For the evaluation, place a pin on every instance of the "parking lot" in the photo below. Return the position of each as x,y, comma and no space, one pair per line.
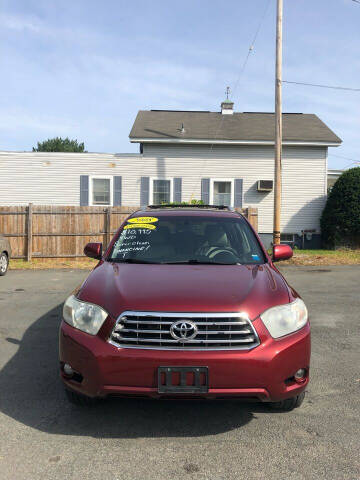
44,437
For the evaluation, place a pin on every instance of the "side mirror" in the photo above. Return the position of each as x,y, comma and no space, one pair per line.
281,252
93,250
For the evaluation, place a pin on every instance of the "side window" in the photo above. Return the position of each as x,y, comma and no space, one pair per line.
287,237
101,191
161,191
222,192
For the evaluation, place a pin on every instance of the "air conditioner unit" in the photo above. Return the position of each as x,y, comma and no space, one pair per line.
265,185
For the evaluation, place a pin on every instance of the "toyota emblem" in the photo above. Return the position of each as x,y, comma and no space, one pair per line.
183,330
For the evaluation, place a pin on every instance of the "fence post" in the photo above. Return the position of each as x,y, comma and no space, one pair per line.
108,226
29,233
253,217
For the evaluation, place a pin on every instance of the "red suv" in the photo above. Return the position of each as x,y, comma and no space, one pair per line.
186,303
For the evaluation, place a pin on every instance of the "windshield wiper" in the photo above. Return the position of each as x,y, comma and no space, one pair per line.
198,262
130,260
180,262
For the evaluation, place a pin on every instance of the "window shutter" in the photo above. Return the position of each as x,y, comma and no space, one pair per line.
177,189
205,190
144,191
117,191
238,194
84,190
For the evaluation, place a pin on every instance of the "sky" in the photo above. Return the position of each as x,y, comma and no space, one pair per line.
83,68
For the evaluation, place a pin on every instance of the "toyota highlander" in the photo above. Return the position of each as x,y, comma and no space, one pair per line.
186,302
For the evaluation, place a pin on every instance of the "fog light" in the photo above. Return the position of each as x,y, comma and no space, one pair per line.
68,370
300,375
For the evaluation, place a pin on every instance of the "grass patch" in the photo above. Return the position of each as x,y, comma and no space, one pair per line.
325,257
50,263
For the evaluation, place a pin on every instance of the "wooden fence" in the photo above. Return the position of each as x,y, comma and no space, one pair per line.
43,231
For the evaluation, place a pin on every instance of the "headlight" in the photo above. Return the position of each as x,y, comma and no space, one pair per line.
84,316
285,319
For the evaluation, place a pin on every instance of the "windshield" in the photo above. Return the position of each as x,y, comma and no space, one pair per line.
187,239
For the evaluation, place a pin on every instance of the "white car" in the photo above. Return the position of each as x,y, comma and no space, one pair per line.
5,254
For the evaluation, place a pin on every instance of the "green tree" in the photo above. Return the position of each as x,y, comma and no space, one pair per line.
59,144
340,220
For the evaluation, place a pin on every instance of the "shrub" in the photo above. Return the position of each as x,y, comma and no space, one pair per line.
192,202
340,220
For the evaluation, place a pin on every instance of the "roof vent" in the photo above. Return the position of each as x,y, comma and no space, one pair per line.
227,106
182,129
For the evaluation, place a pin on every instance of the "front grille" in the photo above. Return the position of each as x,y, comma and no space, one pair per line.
208,331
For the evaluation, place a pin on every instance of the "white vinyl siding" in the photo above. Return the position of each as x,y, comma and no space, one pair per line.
304,177
54,178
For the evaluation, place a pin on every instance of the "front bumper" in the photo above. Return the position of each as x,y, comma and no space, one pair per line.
264,373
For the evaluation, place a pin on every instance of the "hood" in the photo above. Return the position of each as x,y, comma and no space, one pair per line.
185,288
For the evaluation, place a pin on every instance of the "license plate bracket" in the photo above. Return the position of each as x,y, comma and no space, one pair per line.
188,379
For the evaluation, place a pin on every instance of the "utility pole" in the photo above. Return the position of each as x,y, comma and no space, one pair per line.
278,124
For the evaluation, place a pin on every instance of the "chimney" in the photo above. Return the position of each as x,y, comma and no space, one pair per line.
227,107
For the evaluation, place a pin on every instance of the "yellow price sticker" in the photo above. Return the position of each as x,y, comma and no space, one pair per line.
145,226
143,220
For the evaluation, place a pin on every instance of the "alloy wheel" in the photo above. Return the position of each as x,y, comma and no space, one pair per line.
3,263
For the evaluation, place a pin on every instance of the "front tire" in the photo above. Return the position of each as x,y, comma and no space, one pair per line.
4,264
288,404
80,400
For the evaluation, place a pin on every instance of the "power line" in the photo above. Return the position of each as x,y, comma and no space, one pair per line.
344,158
348,165
356,1
251,49
324,86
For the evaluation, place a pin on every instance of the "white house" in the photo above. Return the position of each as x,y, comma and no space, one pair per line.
332,176
220,157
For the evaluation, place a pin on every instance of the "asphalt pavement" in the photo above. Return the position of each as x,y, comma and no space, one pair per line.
44,437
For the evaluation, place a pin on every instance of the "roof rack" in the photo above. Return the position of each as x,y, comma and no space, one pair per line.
182,205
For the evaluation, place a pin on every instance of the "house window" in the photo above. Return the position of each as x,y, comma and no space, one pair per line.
287,237
161,191
101,191
222,192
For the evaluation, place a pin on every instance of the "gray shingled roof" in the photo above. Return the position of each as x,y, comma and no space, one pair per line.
166,124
